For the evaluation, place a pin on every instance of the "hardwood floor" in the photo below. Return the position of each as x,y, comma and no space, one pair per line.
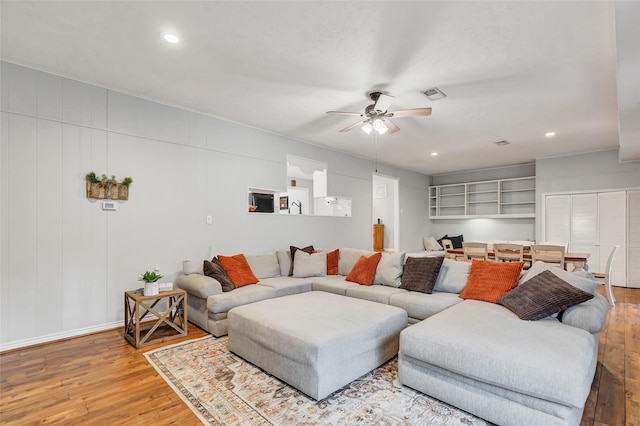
101,379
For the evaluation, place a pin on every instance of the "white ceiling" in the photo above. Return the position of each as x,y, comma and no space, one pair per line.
512,70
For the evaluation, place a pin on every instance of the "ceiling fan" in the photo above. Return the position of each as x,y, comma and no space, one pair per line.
376,116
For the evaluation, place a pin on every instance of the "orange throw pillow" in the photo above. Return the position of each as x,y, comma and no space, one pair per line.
238,270
364,271
489,280
332,262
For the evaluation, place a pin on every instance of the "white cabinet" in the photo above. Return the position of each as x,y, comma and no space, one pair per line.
505,198
590,223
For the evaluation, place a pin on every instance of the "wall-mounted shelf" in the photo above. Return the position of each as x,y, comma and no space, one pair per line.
504,198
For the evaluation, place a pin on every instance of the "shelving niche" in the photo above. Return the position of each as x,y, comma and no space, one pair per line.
503,198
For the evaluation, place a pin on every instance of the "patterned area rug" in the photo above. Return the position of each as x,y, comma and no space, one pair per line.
223,389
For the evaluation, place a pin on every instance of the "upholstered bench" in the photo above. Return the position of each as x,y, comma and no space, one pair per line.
317,342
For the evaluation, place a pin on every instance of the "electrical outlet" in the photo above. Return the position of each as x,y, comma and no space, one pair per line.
209,220
157,269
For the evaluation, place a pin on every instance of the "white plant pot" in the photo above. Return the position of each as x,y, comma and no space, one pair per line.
150,289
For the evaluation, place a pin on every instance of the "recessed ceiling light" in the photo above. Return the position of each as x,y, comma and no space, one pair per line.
434,154
550,134
171,38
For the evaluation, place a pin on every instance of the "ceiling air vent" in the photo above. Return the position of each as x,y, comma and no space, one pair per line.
434,94
502,143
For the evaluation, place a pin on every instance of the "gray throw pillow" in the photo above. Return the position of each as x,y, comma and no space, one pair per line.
215,270
453,276
420,273
576,280
389,269
542,295
310,265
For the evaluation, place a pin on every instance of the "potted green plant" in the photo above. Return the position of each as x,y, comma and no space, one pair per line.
93,185
123,192
150,280
108,183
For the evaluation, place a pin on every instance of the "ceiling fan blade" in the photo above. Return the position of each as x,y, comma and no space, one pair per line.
392,127
345,113
353,126
416,112
383,102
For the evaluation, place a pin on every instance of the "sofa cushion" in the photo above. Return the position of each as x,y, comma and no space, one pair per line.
284,260
198,285
590,315
389,269
489,280
264,265
373,293
238,269
348,258
420,305
332,284
576,280
332,262
453,276
541,296
285,286
488,343
310,265
364,270
240,296
420,273
192,267
215,270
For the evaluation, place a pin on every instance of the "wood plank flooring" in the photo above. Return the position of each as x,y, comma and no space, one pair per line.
100,379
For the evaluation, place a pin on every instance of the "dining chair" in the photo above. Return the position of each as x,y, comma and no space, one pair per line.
507,252
548,254
606,276
475,251
448,245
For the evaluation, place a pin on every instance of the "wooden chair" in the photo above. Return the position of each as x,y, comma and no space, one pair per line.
606,276
475,251
548,254
448,245
504,252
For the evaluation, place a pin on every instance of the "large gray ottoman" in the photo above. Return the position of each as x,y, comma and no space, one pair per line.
317,342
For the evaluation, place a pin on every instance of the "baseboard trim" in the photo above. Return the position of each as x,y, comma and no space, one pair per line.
59,336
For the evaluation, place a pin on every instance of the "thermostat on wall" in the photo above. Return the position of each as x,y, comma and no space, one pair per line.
108,205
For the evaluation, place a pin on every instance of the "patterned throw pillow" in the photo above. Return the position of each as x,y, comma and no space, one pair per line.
489,280
364,270
420,273
238,270
543,295
214,269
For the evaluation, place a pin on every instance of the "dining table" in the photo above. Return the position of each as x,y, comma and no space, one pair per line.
578,260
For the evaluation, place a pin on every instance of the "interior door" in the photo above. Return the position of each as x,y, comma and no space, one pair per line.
557,218
612,219
584,228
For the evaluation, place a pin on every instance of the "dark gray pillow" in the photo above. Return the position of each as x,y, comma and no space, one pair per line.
456,241
543,295
420,273
215,270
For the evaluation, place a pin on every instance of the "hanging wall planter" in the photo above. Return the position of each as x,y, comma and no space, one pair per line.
105,188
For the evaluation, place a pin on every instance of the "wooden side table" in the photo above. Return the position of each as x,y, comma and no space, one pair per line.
166,326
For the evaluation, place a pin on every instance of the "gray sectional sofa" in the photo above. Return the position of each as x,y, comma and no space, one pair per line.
475,355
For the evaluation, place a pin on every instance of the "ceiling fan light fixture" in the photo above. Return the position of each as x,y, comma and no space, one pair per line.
383,129
367,128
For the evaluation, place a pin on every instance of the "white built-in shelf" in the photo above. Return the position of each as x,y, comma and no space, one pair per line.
503,198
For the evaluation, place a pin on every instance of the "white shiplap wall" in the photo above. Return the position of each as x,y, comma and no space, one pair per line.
65,263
